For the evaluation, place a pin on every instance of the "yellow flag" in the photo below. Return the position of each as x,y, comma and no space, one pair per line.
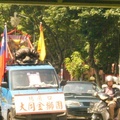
41,45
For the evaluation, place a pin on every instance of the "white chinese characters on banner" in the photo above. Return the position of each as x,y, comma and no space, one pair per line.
49,103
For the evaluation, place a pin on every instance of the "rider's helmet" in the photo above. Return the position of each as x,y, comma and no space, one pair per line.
92,79
109,78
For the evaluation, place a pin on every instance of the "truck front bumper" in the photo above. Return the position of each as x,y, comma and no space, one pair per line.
52,116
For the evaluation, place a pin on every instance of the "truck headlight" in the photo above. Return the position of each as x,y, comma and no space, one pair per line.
73,103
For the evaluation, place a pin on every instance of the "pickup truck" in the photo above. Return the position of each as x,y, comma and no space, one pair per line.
32,92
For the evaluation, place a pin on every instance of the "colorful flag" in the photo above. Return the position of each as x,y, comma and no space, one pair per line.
3,54
41,45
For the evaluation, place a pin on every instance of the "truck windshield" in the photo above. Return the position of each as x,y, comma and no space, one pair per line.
25,79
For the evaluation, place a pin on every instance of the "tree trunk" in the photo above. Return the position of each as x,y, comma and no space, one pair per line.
92,62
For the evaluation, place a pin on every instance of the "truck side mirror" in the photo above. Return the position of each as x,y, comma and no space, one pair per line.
63,83
4,84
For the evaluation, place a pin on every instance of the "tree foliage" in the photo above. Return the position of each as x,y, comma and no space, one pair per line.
93,32
76,65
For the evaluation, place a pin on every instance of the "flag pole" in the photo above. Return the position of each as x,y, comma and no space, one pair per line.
5,35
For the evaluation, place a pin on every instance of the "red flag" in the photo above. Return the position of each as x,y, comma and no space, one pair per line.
3,54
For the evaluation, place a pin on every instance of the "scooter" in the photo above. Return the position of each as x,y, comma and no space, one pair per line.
100,110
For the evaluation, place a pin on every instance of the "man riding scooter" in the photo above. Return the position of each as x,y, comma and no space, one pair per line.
111,92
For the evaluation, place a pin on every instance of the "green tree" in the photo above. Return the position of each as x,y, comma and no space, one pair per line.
91,31
61,33
95,28
76,65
